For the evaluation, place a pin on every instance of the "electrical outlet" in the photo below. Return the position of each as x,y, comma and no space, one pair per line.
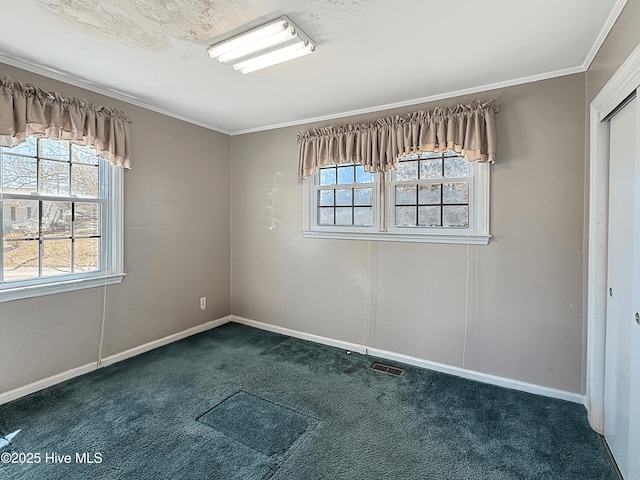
203,303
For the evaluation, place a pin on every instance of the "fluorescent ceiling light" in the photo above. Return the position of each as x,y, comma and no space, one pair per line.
253,47
269,44
273,58
252,36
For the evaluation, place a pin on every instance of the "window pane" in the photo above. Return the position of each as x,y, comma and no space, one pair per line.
407,171
20,219
345,175
19,174
429,194
429,216
56,149
28,147
86,254
326,197
20,259
343,216
455,192
406,194
86,219
328,176
81,154
456,167
54,177
325,216
430,169
48,237
362,176
362,196
363,216
56,219
405,216
56,257
344,196
84,181
455,216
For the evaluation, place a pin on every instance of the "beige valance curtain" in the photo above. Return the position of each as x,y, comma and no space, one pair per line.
27,110
379,144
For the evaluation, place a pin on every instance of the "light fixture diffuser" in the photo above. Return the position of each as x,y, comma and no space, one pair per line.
264,46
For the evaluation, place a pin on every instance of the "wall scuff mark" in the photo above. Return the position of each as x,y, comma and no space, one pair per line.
272,197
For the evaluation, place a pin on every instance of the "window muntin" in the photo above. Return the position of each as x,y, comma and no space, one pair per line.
431,190
429,197
59,192
345,197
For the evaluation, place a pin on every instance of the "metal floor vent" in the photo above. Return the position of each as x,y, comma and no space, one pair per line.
387,369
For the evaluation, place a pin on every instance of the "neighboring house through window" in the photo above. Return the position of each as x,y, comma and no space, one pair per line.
59,229
61,194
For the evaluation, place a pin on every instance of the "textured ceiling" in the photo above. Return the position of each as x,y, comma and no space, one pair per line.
370,53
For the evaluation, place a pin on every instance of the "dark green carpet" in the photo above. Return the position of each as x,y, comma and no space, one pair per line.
259,424
241,403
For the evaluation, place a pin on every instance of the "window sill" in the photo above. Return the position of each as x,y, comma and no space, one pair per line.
31,291
453,238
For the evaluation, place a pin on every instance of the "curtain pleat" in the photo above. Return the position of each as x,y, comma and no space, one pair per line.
27,110
379,144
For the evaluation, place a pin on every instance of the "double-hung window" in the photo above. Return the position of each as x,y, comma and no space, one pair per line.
419,177
428,197
61,226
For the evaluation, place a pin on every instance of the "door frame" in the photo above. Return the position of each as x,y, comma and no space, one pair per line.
618,88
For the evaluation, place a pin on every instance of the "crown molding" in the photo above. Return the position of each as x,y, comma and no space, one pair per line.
604,33
74,80
113,93
416,101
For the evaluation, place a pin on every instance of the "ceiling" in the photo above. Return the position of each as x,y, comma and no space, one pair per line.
370,53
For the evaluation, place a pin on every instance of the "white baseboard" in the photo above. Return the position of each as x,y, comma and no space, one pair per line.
398,357
45,383
118,357
302,335
418,362
479,376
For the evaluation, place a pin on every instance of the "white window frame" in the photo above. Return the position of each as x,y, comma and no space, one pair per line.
476,234
112,245
345,229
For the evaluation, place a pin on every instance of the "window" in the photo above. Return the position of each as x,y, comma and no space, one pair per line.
62,224
345,197
429,197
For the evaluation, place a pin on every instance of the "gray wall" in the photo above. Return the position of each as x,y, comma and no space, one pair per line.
524,305
623,38
176,251
524,308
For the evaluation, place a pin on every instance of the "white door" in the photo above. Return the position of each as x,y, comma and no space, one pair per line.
622,395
